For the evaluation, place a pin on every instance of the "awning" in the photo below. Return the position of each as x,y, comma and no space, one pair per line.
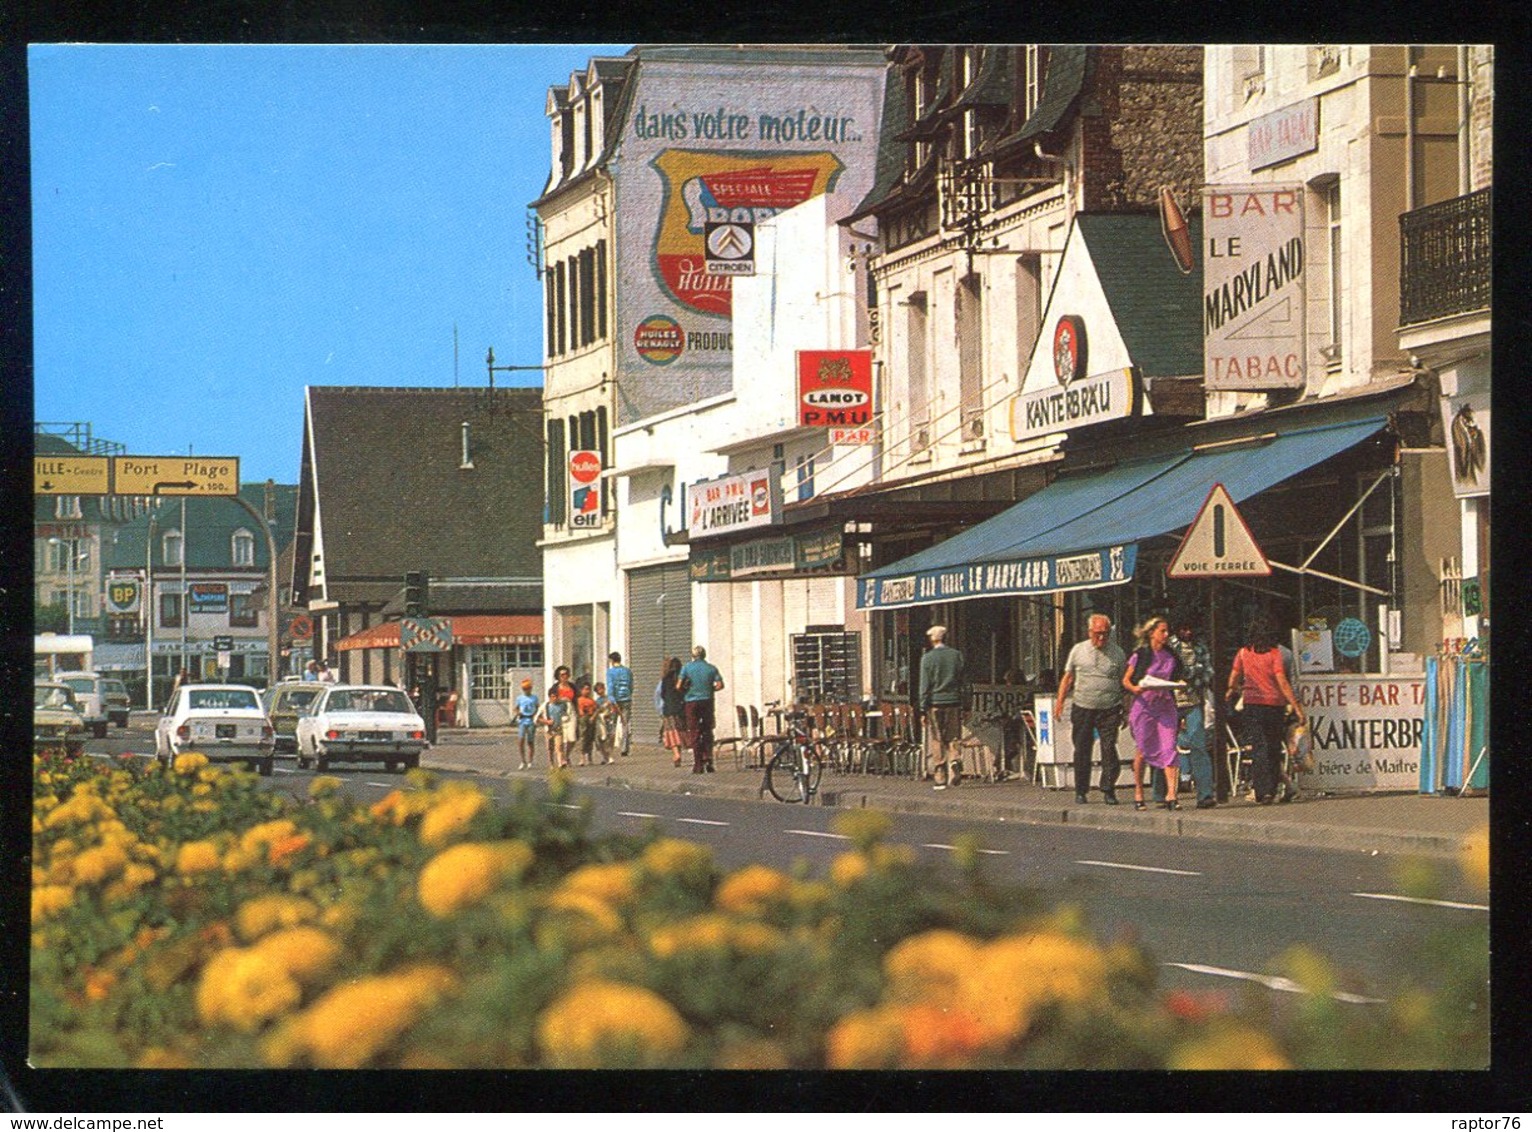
118,657
467,629
1082,532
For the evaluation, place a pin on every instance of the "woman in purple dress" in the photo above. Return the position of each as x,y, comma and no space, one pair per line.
1153,718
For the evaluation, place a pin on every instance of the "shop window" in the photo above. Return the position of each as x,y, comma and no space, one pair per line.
827,665
243,611
575,625
495,671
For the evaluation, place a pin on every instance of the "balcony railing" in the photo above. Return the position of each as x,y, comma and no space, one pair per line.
1444,259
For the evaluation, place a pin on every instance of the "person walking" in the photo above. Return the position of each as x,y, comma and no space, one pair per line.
526,724
326,673
670,702
585,723
941,703
1192,707
1259,676
559,714
699,681
1153,717
619,687
606,722
311,672
1093,675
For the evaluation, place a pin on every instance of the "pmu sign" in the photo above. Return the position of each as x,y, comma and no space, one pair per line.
834,388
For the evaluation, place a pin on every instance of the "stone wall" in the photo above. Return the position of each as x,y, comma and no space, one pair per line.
1141,127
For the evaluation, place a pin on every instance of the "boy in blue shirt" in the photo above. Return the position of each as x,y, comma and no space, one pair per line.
619,687
526,723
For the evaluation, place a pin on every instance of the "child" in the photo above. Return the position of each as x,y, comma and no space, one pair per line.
606,722
526,724
585,722
556,710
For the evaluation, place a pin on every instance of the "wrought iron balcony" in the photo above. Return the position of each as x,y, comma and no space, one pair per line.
1444,259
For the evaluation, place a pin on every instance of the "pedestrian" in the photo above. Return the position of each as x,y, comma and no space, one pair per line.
311,672
1259,677
1093,674
1153,717
670,702
559,715
585,722
619,687
1193,709
326,673
526,724
699,682
606,721
941,703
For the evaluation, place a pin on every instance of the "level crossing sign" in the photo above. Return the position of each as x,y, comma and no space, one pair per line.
1218,544
425,634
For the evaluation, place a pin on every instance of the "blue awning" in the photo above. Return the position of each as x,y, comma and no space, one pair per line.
1082,532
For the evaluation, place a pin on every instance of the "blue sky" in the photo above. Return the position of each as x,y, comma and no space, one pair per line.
216,227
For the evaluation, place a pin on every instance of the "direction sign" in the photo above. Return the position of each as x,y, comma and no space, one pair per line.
223,644
425,634
1218,544
69,475
175,475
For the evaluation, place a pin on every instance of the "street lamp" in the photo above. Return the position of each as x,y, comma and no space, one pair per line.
69,573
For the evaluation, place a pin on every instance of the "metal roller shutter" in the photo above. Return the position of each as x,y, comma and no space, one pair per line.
657,629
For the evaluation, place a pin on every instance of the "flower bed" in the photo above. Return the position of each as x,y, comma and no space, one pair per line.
185,917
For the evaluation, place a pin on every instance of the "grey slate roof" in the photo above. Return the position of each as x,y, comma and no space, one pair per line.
210,525
1157,309
382,467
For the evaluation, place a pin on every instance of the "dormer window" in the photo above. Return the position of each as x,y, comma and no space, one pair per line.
172,548
242,548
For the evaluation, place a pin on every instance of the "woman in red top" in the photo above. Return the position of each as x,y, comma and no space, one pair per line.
1258,673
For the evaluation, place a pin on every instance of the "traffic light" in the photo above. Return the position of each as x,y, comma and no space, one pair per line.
417,593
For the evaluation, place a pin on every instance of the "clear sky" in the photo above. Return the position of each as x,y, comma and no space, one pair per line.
216,227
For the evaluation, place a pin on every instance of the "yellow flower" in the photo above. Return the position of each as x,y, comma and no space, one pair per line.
274,910
849,868
752,890
1474,858
684,860
50,899
867,1039
264,834
245,987
465,874
190,763
324,784
612,884
582,918
942,1037
1232,1046
304,952
605,1023
930,966
352,1023
713,932
1016,974
865,828
134,877
197,857
451,815
279,851
201,790
94,865
82,807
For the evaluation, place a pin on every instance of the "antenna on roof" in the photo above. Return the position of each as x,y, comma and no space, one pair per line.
454,355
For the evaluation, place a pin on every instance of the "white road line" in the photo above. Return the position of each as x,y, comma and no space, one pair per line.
818,833
700,821
635,814
561,805
990,852
1275,982
1139,868
1421,900
380,785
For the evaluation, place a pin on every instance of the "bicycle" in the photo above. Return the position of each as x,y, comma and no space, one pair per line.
795,767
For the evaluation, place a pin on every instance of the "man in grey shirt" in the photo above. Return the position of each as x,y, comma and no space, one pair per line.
1093,673
941,700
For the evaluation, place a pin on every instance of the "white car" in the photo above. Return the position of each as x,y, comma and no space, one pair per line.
90,696
225,722
361,723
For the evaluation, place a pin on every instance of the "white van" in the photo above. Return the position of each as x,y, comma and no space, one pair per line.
90,693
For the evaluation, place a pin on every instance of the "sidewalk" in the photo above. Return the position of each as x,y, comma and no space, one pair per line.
1383,823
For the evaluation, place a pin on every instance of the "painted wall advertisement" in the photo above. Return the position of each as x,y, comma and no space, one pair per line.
1253,287
725,145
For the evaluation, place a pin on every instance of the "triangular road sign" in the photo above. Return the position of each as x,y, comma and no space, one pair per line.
1218,544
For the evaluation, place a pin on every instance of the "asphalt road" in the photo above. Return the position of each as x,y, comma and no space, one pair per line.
1215,914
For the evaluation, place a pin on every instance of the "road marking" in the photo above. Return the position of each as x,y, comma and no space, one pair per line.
1275,982
635,814
562,805
700,821
1139,868
282,770
1421,900
990,852
818,833
381,785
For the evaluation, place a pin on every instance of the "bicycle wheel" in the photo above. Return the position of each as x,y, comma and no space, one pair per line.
782,773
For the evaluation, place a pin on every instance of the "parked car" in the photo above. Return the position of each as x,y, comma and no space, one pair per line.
225,722
117,703
90,698
284,704
361,723
56,722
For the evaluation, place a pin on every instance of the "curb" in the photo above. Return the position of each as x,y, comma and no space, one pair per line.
1267,830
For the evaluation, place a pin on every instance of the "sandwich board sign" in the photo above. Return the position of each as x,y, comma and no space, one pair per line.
1218,544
